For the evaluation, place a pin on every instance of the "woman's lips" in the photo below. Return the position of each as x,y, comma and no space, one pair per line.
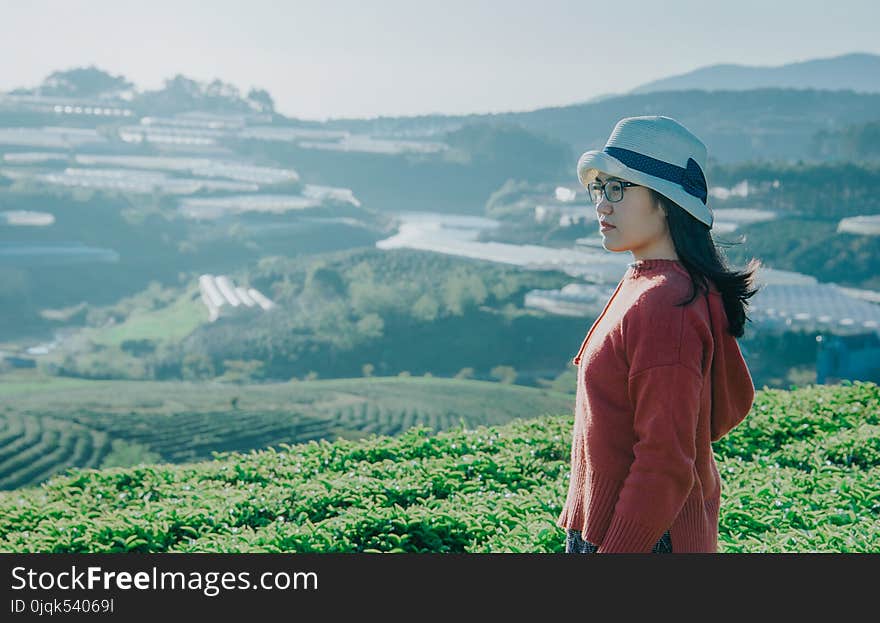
606,226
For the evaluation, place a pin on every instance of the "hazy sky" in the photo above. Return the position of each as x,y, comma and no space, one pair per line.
323,58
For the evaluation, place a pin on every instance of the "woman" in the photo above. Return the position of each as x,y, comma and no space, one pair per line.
660,373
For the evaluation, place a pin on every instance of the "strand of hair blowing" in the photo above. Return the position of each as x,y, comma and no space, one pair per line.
697,251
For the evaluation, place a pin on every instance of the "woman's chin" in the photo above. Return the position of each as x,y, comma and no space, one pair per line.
610,246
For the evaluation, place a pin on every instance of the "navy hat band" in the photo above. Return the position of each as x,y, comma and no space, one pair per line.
691,178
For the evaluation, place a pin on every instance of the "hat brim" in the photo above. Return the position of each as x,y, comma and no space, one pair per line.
593,162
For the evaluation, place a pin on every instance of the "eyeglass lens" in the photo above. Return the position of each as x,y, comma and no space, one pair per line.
613,190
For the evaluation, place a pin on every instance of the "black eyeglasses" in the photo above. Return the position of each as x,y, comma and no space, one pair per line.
612,189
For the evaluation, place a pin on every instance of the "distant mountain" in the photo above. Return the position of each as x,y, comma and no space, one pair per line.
857,72
780,124
758,124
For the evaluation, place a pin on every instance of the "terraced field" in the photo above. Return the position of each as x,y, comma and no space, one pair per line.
33,447
48,425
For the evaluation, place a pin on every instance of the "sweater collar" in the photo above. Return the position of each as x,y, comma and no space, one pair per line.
641,267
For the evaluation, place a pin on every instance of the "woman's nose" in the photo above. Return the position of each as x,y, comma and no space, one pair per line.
604,206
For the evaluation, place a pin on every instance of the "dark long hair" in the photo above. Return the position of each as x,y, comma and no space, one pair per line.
704,260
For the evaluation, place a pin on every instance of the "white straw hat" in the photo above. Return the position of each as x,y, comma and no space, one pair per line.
657,152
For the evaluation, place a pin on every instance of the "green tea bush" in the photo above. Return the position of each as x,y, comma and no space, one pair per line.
800,474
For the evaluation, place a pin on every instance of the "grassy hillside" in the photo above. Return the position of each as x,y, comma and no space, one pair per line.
800,475
394,311
172,322
50,424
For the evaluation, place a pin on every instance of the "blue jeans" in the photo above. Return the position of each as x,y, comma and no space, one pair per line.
575,544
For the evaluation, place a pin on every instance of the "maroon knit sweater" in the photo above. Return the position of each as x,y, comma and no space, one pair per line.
656,385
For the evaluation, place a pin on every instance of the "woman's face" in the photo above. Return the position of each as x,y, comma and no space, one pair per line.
638,223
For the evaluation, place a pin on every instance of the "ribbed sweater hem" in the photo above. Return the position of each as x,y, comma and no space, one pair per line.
627,535
593,515
694,529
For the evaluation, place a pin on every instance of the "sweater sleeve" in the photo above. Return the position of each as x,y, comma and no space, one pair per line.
664,389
